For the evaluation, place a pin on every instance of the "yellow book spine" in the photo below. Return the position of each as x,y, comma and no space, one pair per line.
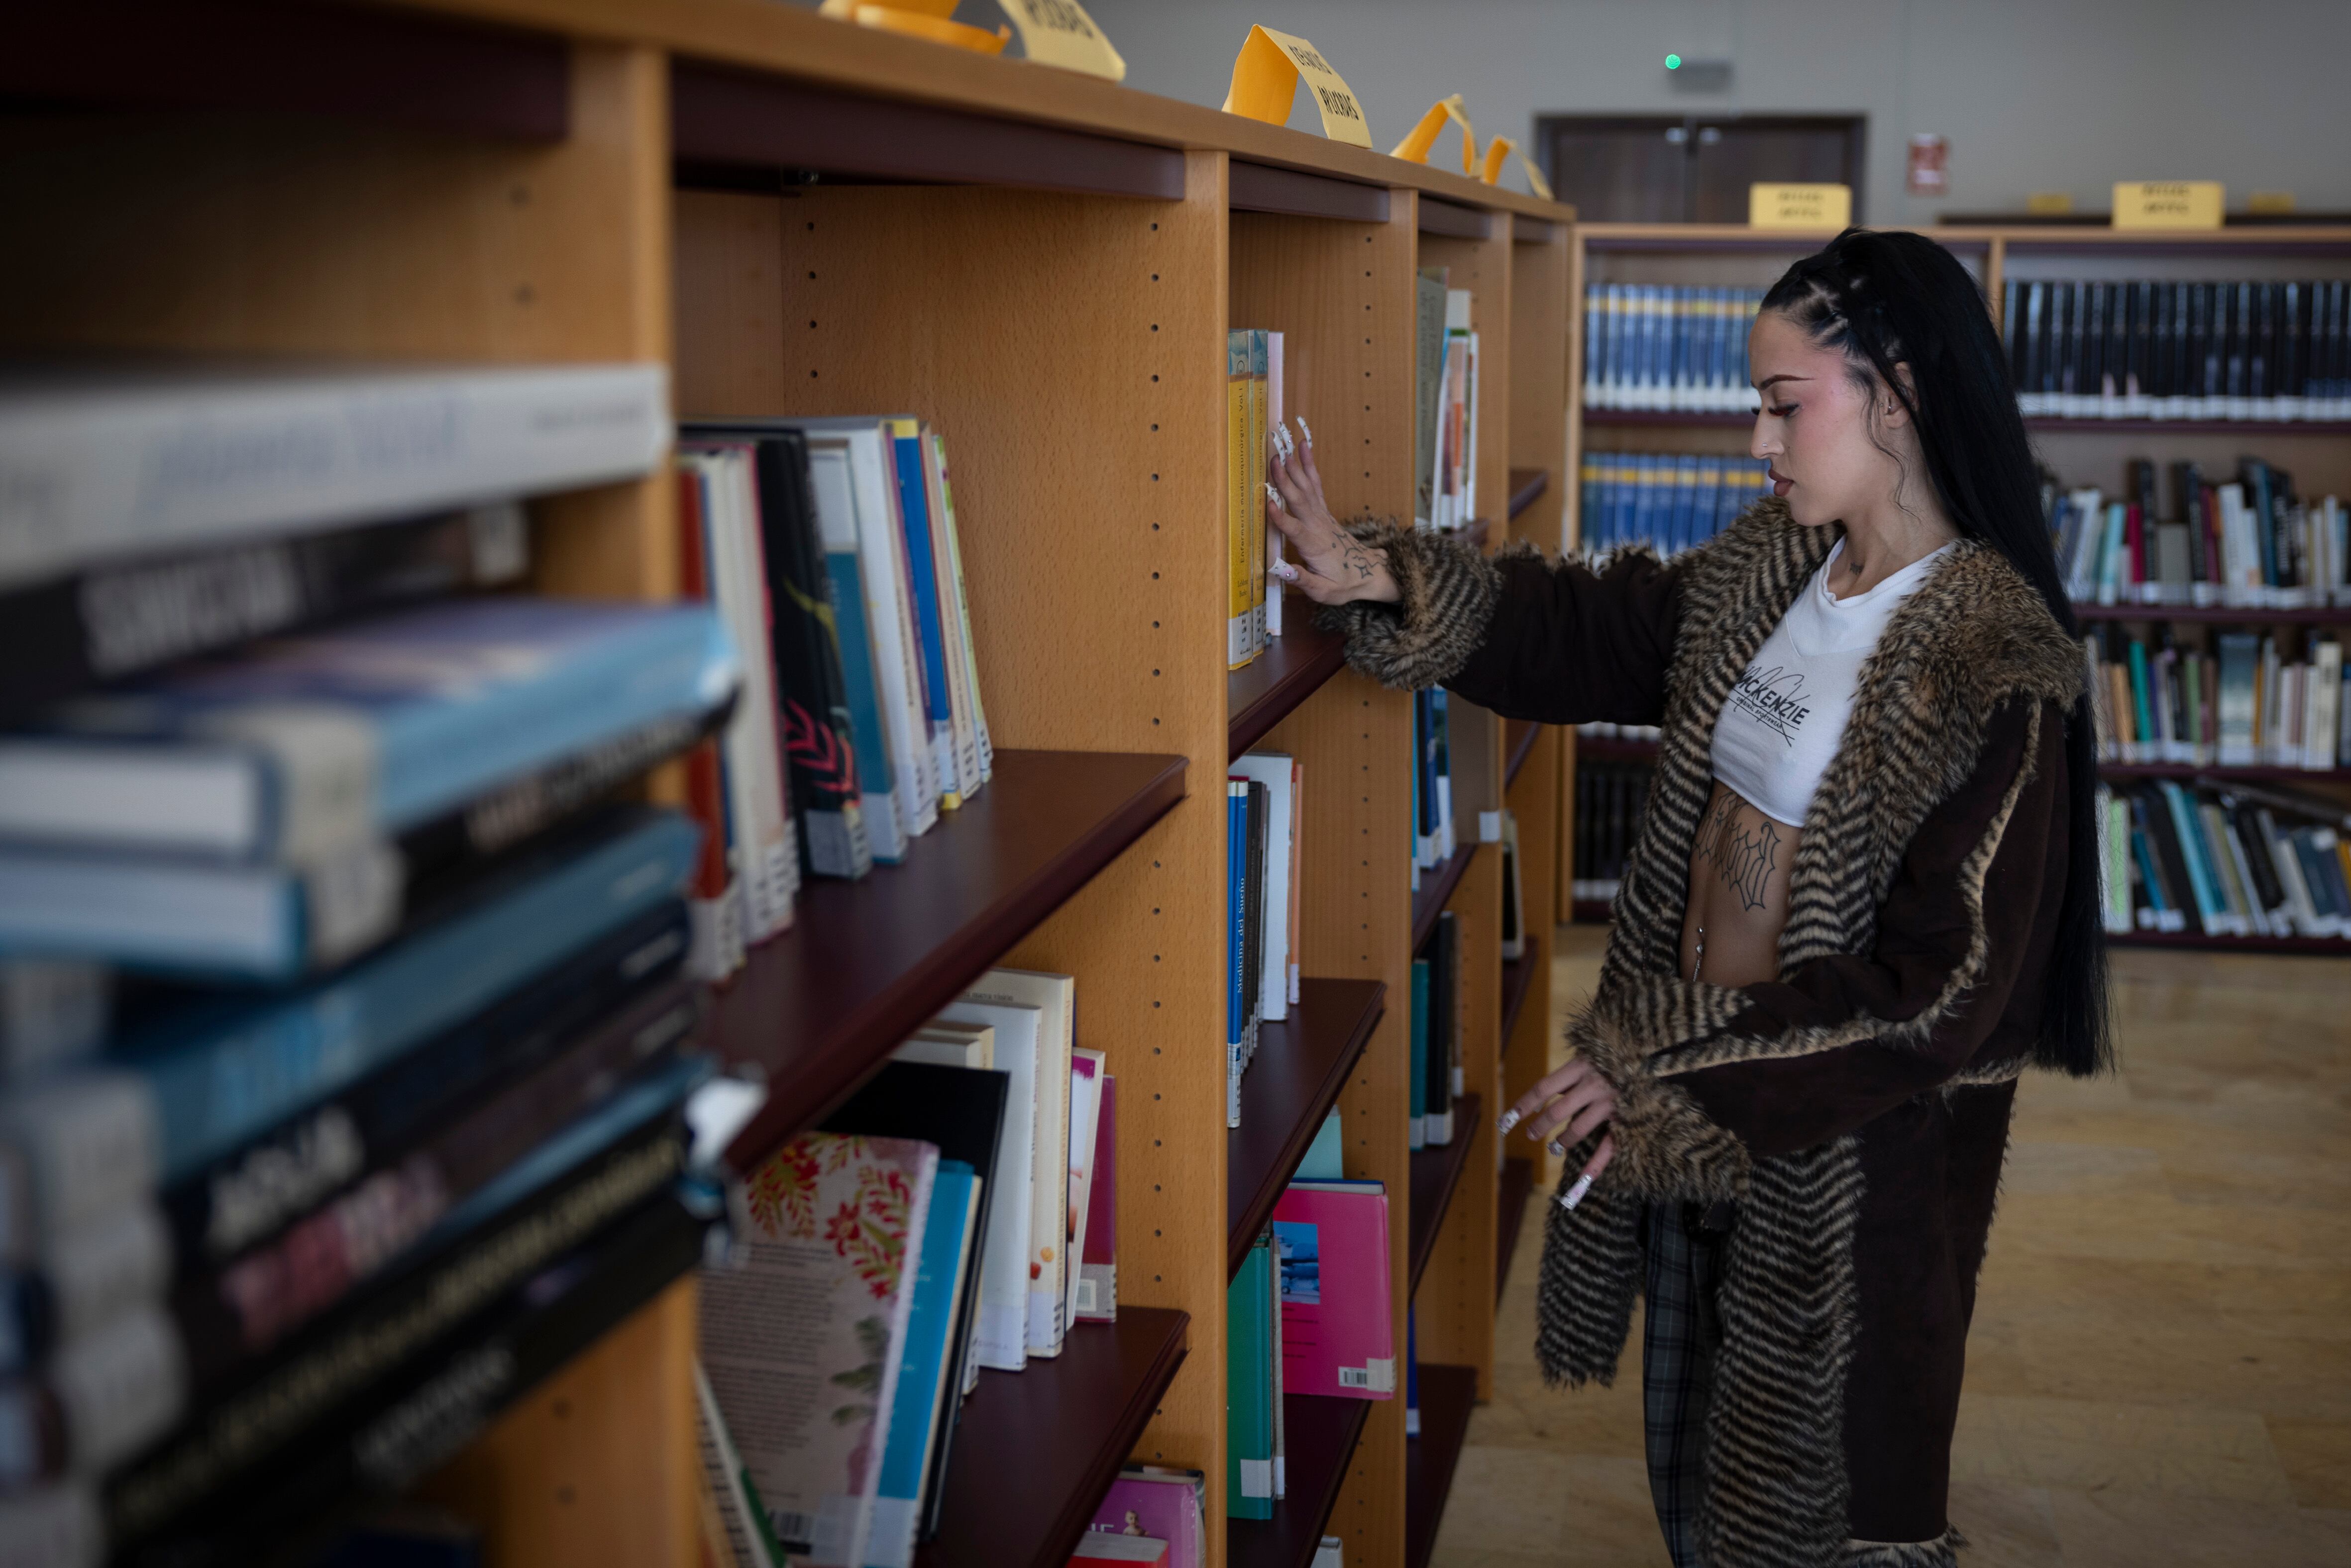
1257,435
1242,505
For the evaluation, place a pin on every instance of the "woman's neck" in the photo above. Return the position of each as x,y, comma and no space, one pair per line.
1882,541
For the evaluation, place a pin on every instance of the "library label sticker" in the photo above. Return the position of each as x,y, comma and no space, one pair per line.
2167,203
1799,207
1265,79
1059,33
1415,146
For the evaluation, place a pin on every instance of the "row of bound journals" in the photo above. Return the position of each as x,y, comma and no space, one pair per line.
2225,860
347,1040
958,1212
2250,541
2245,707
1663,346
2175,348
1663,501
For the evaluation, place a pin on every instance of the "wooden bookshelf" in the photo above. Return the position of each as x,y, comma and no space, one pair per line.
1302,1064
1527,487
1435,1172
1518,979
1435,890
1518,1181
1448,1394
797,216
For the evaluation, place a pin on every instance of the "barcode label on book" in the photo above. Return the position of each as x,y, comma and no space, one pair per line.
1355,1377
1085,1296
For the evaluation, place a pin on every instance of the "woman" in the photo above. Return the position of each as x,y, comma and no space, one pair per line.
1863,901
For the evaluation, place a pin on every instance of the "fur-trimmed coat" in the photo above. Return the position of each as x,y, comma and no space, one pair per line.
1856,1107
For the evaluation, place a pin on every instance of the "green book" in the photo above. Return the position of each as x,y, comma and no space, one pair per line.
1248,1386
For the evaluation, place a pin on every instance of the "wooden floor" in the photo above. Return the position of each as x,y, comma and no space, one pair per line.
2160,1368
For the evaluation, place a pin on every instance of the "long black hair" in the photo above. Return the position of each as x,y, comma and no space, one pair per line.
1890,299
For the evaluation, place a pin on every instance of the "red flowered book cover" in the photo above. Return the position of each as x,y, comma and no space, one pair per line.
803,1332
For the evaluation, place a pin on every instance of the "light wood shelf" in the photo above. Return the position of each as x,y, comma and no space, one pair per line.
1045,267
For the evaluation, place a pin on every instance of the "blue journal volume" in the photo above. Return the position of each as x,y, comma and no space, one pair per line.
229,1067
295,748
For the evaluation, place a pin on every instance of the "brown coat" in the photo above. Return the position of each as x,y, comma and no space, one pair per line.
1855,1108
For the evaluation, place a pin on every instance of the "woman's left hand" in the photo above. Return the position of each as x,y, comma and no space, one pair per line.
1566,1107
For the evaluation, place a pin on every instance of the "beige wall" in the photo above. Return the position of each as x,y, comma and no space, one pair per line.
2035,95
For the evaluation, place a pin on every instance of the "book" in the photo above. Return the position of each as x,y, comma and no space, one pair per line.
293,749
118,618
1086,1079
961,1113
1248,1387
1022,1053
1416,1119
1428,377
911,462
102,465
735,1494
927,1371
1236,941
1096,1547
804,640
1163,1503
1276,418
872,741
1334,1300
721,563
804,1338
1054,998
1444,1029
1244,502
101,1397
1322,1158
1276,773
218,1071
1514,917
971,713
1097,1297
1258,447
53,1011
88,1277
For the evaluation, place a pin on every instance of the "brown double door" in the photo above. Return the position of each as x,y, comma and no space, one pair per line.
1661,169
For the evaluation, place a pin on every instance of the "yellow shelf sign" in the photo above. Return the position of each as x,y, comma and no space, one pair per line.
1497,152
1799,207
1417,145
1059,33
1265,80
2048,203
2167,203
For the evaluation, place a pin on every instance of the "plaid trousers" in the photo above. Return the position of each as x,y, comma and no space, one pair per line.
1680,1332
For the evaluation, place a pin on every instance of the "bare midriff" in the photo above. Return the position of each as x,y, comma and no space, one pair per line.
1738,893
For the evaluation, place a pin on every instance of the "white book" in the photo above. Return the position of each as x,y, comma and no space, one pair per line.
2322,704
943,1044
1274,417
974,759
1003,1334
1274,770
861,467
94,466
1087,1070
764,853
1054,999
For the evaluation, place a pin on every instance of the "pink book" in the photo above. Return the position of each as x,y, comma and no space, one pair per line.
1163,1504
1332,1241
1098,1264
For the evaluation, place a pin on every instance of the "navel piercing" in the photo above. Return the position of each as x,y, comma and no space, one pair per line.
1698,958
1574,1195
1510,1119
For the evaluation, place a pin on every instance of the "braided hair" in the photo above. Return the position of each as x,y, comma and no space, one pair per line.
1895,299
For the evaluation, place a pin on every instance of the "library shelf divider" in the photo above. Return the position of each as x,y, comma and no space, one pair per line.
1527,486
1435,890
1435,1172
1517,1184
1518,978
1448,1394
1301,1065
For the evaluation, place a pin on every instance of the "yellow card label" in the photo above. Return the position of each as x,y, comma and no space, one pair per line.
1799,207
2048,203
1414,147
1059,33
2270,203
1266,74
2167,203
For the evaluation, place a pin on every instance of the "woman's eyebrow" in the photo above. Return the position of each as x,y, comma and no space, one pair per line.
1768,383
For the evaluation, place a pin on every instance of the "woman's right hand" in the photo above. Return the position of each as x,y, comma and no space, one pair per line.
1335,567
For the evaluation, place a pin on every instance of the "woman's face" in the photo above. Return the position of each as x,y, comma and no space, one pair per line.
1814,427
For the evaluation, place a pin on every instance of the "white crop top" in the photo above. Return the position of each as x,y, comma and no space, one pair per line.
1782,723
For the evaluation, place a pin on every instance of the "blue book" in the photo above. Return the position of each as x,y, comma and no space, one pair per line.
1322,1161
2212,908
1417,1128
914,1415
1236,923
226,1067
295,749
876,776
922,572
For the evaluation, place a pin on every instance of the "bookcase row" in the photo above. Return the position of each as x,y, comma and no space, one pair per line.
775,215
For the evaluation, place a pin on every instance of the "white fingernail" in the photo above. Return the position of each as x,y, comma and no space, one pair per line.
1306,430
1285,571
1510,1119
1556,1148
1574,1195
1281,441
1274,495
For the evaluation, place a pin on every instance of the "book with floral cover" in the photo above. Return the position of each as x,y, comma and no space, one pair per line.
803,1336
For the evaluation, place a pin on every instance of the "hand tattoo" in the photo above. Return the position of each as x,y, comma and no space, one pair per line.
1744,857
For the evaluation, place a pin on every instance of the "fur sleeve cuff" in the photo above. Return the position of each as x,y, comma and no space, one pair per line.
1667,1148
1449,594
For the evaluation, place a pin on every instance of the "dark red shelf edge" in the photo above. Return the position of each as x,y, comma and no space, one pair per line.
1526,493
1257,1542
1518,979
2262,772
1246,725
1516,1186
1437,890
1300,1137
1725,418
1447,1397
1590,911
1421,1232
1524,748
2218,614
1610,748
2304,946
959,960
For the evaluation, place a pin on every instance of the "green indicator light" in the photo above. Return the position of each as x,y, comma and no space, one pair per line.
1673,62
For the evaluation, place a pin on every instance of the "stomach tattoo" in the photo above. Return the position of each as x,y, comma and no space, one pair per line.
1738,869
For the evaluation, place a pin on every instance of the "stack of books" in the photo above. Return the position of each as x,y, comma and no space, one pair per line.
828,545
1664,501
1663,346
959,1212
1265,800
1444,461
2173,348
347,1036
2243,706
2224,859
2250,542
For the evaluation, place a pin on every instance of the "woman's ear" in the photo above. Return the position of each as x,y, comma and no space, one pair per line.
1891,411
